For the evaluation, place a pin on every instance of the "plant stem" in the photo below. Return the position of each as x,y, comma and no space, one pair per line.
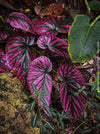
54,71
83,121
3,41
65,39
36,50
98,17
78,127
88,8
35,43
2,19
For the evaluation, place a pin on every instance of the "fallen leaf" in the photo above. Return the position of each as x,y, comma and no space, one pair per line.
37,9
86,127
55,9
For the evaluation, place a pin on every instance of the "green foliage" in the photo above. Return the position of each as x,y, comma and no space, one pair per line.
94,5
95,87
93,104
83,38
34,120
52,125
87,131
96,83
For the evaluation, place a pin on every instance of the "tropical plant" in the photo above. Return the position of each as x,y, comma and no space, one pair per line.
20,55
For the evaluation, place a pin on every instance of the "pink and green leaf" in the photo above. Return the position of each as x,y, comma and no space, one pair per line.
71,78
19,53
3,35
21,21
39,77
52,26
54,44
3,66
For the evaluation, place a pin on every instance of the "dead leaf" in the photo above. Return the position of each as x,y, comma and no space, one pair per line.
29,2
37,9
55,9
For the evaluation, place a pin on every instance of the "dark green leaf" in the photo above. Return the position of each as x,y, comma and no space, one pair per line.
62,125
96,83
34,120
85,114
98,125
93,104
32,95
94,5
47,131
38,125
89,103
86,131
47,110
32,106
41,131
98,95
98,115
50,126
83,39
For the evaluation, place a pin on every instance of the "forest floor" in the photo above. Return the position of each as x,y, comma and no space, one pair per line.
39,9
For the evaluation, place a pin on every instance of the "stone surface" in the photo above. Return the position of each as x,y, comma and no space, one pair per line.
14,119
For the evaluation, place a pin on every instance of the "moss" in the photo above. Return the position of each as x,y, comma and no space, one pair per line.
12,107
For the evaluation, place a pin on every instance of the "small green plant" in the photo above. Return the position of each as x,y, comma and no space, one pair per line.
54,123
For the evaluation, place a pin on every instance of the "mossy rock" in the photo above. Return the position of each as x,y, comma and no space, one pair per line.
14,119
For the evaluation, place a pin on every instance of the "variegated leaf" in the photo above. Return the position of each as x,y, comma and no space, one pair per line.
21,21
54,44
19,54
39,77
52,26
3,66
71,78
3,36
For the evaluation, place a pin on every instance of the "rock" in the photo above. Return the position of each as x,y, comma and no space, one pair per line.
14,119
